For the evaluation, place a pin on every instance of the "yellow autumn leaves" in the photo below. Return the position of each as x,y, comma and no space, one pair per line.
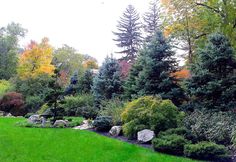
36,60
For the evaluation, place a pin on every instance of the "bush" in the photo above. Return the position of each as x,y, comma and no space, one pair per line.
33,103
5,86
173,144
103,123
13,103
151,113
112,108
206,151
217,127
74,121
81,105
178,131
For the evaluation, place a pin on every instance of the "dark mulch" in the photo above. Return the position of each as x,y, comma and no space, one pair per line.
123,138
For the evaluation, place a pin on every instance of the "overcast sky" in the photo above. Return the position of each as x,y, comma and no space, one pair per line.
86,25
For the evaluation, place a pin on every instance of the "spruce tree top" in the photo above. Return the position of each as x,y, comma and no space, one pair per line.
129,33
217,57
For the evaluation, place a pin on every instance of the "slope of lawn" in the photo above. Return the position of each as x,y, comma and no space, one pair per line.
19,144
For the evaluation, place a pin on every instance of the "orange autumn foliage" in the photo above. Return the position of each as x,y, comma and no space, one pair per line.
182,74
36,60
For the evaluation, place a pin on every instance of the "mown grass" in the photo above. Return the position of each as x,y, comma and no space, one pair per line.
19,144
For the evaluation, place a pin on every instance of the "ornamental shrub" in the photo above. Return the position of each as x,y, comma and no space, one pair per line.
112,108
81,105
206,151
103,123
173,144
151,113
13,103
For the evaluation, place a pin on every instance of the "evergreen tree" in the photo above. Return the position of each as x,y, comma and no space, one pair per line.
129,33
157,66
213,82
86,82
152,20
54,98
107,84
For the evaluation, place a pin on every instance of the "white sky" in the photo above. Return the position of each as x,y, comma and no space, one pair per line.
86,25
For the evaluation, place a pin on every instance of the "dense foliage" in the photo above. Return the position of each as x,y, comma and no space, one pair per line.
212,85
107,83
206,151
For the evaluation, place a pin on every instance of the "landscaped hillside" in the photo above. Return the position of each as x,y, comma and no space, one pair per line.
67,145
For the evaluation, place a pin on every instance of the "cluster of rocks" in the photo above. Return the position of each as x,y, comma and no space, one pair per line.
144,136
4,114
86,124
37,119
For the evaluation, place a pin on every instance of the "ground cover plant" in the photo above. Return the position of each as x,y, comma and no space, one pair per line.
53,145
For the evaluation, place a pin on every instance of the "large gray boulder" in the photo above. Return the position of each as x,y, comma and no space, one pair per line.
61,123
115,131
145,136
35,119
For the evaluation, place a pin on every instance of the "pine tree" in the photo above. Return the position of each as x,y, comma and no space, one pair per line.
213,82
152,20
129,33
107,84
157,65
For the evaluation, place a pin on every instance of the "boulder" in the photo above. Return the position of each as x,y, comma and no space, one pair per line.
85,125
61,123
2,113
34,119
145,136
115,131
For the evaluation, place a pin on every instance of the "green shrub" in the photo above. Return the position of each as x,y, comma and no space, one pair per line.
74,121
103,123
151,113
206,151
5,86
217,127
33,103
179,131
173,144
112,108
81,105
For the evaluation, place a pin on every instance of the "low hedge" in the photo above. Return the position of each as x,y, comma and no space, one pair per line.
206,151
172,144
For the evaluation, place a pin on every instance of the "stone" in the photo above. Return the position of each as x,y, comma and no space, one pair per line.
2,113
85,125
35,119
9,115
115,131
145,136
61,123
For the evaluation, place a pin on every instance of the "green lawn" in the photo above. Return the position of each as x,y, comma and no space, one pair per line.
19,144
